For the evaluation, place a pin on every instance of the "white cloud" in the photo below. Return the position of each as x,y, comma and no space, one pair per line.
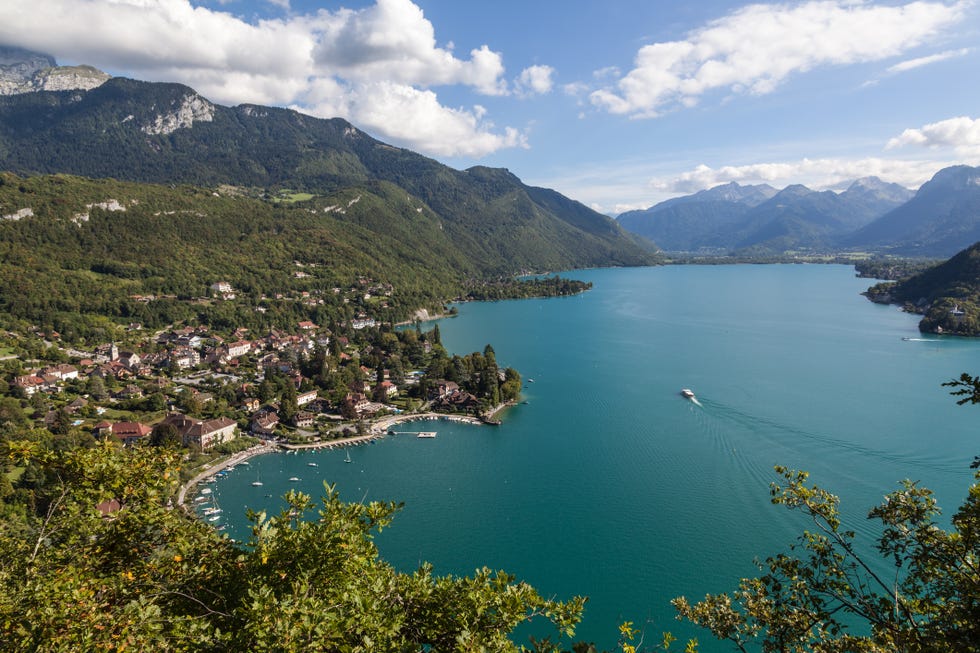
385,52
393,41
757,47
575,89
828,173
918,62
535,80
616,187
607,72
414,118
961,134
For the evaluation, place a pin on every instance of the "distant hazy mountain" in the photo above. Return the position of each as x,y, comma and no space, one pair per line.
796,217
694,222
167,133
877,196
730,192
758,218
941,219
23,71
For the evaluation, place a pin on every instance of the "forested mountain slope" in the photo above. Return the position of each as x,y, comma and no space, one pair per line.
167,133
76,252
942,218
947,294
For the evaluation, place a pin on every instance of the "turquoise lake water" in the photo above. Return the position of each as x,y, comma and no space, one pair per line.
608,483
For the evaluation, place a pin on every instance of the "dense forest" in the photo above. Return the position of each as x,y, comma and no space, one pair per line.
893,269
81,255
948,294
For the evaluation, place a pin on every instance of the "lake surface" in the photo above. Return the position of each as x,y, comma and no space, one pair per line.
608,483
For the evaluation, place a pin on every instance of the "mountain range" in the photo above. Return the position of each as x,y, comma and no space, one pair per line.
761,219
167,133
81,121
940,219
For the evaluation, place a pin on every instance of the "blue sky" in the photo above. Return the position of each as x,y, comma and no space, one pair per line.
618,104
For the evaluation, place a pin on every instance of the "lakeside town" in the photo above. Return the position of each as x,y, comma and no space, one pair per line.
217,394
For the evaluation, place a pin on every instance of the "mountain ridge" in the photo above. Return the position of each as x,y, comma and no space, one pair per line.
940,219
168,133
23,71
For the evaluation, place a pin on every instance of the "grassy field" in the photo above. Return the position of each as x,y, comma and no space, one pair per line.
290,197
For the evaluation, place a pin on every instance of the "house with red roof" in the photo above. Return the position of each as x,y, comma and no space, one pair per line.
203,433
130,433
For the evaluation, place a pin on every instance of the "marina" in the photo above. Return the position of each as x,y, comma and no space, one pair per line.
378,429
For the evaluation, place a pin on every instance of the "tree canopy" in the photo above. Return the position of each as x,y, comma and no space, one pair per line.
107,563
811,598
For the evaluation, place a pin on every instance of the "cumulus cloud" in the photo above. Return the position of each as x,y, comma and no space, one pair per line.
414,118
535,80
961,134
386,52
828,173
393,41
757,47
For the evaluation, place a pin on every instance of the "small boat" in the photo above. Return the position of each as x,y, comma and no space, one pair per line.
214,517
311,464
426,434
687,393
206,490
256,483
347,459
294,479
200,499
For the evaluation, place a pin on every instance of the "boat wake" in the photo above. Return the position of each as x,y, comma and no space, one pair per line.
778,433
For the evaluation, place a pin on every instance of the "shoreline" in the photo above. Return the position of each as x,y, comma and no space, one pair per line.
218,466
378,429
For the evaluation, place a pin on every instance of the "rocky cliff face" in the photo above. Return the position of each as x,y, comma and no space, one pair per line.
22,71
181,116
68,78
